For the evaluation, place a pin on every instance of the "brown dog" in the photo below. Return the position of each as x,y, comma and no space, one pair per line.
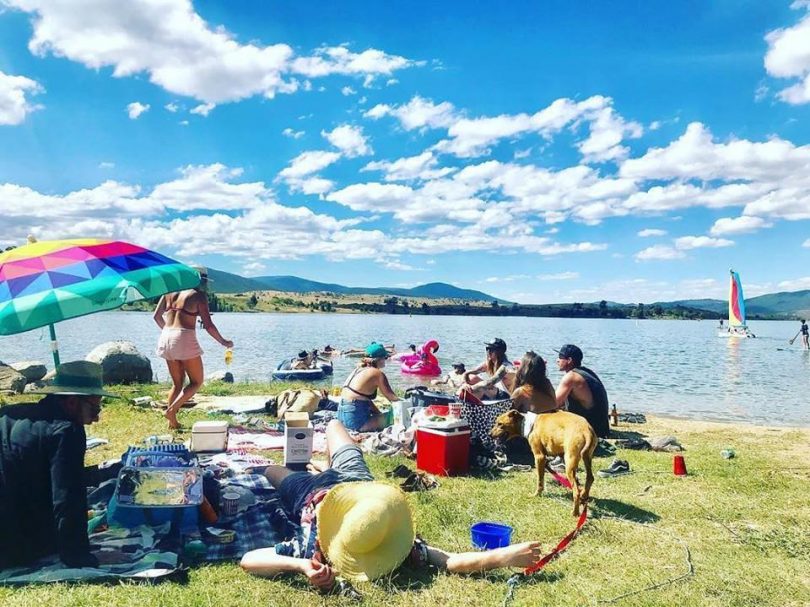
556,433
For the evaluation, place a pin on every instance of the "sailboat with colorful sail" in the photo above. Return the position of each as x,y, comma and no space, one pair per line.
736,310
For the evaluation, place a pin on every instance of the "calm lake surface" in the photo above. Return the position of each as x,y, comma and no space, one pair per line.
678,368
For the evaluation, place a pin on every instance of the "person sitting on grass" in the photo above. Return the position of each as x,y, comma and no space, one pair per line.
43,480
500,370
357,410
358,528
534,392
454,380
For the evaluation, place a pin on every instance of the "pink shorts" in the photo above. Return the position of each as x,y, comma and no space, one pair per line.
178,344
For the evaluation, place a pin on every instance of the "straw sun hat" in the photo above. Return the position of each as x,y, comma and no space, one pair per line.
365,529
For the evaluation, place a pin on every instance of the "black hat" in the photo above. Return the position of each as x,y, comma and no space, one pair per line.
459,366
303,354
570,351
496,344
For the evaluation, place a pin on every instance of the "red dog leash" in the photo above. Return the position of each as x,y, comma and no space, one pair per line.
558,477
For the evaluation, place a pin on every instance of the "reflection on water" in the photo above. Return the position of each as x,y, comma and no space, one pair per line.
672,367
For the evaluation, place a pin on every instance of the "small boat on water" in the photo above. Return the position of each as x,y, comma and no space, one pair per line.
285,371
736,328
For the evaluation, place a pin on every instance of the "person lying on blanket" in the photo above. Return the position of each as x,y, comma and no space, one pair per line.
358,528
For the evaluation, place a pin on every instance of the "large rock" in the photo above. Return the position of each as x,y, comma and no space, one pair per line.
121,363
223,376
11,380
32,369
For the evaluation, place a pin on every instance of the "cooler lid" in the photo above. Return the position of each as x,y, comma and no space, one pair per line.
454,426
209,427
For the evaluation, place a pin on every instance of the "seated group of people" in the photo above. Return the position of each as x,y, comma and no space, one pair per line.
580,390
307,360
349,524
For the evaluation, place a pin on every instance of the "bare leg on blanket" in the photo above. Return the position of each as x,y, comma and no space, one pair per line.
336,437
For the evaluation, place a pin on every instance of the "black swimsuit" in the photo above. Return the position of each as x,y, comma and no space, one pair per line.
371,396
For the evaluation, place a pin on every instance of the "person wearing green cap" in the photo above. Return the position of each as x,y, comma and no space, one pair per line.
357,410
43,480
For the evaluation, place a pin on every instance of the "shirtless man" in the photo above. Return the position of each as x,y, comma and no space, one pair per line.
581,391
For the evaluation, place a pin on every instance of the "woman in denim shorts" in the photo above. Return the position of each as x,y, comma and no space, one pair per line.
357,410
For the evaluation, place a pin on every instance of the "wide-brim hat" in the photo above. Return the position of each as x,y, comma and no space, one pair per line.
203,272
365,529
77,378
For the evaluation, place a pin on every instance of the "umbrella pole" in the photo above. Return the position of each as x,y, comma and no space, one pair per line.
54,346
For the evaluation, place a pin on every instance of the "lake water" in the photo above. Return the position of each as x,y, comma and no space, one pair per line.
678,368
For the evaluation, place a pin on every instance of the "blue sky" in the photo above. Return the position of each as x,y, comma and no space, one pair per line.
542,152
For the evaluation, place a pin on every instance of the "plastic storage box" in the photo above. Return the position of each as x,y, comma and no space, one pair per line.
443,448
209,436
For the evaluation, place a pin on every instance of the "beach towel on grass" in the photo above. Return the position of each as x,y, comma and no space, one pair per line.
141,554
250,440
260,526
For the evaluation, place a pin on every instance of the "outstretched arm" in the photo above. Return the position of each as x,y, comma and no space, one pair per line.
208,324
265,562
517,555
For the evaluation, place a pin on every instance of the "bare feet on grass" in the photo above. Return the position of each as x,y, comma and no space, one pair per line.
171,416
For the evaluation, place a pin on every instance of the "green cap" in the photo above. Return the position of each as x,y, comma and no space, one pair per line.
375,350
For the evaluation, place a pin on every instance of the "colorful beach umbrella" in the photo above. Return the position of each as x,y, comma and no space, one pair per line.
42,283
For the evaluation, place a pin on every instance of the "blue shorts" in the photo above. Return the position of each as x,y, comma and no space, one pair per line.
347,465
354,414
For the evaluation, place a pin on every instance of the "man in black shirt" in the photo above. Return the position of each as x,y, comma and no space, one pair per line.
43,501
581,391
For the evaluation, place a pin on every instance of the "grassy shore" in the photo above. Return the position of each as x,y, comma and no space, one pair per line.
746,522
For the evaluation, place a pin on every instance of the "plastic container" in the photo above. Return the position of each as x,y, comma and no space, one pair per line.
678,465
210,436
443,448
488,536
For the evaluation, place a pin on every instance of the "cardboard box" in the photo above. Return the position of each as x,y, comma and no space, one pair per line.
296,419
298,444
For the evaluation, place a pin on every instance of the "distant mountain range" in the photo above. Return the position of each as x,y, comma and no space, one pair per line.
784,303
225,282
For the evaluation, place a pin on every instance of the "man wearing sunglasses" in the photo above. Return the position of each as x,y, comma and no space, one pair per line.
43,502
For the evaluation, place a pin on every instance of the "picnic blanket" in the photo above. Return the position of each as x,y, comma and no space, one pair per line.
259,526
247,439
143,553
231,404
481,418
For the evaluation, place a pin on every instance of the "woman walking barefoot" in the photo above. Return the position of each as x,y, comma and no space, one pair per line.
176,315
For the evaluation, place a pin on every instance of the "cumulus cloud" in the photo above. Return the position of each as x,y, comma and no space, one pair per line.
650,232
806,244
685,243
14,102
347,90
788,57
136,108
659,252
349,140
418,113
171,43
559,276
729,226
422,166
203,109
299,174
292,133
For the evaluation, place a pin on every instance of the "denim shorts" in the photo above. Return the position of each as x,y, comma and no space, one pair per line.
347,465
354,414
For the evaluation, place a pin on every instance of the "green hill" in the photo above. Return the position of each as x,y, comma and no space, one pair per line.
785,302
225,282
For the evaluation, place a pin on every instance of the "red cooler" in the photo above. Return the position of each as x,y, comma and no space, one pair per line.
443,448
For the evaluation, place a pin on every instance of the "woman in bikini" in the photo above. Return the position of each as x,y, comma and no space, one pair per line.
501,373
357,410
176,315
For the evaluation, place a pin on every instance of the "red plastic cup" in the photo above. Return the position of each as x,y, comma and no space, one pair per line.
678,466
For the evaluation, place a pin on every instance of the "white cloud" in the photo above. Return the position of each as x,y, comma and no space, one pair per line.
607,131
347,90
349,140
106,165
686,243
391,82
796,284
418,113
422,167
650,232
208,187
788,57
203,109
308,163
395,264
180,52
172,107
727,226
135,109
292,133
559,276
659,252
806,244
14,103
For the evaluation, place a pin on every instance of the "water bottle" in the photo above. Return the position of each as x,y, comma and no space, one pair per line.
228,356
397,410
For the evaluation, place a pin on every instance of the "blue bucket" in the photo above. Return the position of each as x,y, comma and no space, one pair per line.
490,535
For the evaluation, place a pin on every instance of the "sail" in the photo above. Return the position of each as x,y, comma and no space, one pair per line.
736,302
